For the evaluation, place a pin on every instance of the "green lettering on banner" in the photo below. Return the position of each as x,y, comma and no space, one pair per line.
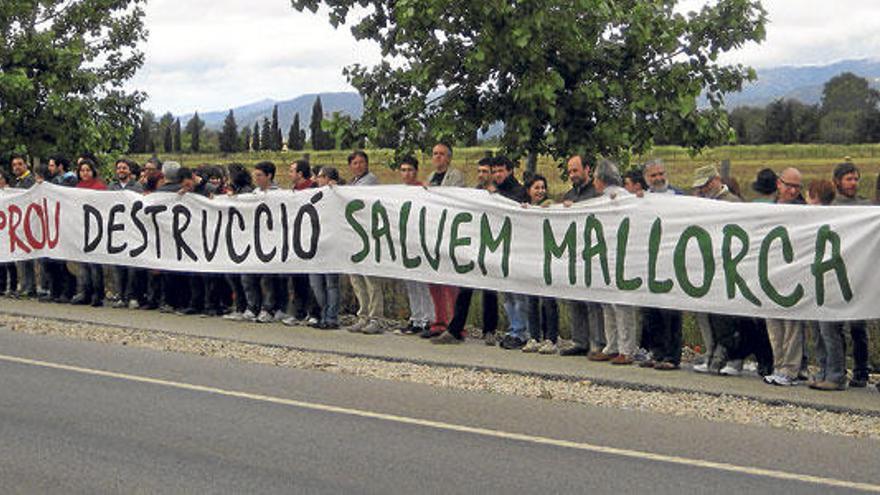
594,226
820,266
456,241
620,259
704,242
380,214
434,261
729,262
404,223
350,209
491,243
553,250
654,285
780,233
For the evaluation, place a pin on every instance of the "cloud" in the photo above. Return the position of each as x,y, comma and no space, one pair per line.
215,54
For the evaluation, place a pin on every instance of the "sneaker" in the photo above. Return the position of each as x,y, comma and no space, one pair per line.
489,339
187,311
531,346
701,368
548,347
313,321
512,343
234,316
784,381
408,329
134,304
248,315
575,350
264,317
166,308
290,321
648,363
373,328
280,316
119,304
79,299
729,370
446,338
329,326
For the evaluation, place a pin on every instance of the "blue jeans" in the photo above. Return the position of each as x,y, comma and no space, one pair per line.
326,289
515,306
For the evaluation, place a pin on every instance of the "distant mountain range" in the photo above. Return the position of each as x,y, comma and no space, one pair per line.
803,83
348,103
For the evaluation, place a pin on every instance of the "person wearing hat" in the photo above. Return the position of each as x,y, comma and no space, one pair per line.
718,331
765,186
707,184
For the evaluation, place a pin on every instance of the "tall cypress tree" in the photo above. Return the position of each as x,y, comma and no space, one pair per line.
255,138
276,130
229,134
194,129
178,142
296,138
315,126
168,140
245,139
266,136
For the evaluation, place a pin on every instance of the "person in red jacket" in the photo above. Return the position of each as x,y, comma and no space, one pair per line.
90,280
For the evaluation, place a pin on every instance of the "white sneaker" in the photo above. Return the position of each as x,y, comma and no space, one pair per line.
264,317
134,304
234,316
248,315
531,346
781,380
280,316
701,368
290,321
313,321
548,347
729,370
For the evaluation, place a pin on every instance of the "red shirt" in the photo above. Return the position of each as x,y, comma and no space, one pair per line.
304,184
96,184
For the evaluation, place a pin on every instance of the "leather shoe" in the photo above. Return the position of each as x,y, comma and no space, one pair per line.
574,351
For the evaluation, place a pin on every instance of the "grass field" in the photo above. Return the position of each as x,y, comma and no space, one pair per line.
814,161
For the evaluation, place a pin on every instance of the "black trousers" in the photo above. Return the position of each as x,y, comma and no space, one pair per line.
664,329
463,306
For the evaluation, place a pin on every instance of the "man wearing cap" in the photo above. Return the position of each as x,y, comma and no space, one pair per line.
587,330
832,373
718,331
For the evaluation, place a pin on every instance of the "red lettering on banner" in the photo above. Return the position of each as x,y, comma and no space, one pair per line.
14,222
52,242
22,226
32,209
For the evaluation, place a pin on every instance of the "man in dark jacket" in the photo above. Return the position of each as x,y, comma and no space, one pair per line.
588,329
22,178
514,304
130,281
61,283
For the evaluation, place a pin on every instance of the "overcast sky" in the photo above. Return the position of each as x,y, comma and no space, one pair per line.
215,54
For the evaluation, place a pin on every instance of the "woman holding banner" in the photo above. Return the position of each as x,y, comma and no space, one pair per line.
90,279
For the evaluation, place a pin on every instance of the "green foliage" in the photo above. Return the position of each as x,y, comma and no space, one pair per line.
178,143
344,130
276,140
194,129
245,139
850,113
62,70
321,140
589,76
229,135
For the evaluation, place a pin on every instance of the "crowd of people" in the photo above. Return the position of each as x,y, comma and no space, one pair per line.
614,333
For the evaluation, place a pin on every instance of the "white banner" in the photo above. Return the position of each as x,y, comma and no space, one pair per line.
795,262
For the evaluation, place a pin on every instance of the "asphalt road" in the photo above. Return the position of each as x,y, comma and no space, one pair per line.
79,417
